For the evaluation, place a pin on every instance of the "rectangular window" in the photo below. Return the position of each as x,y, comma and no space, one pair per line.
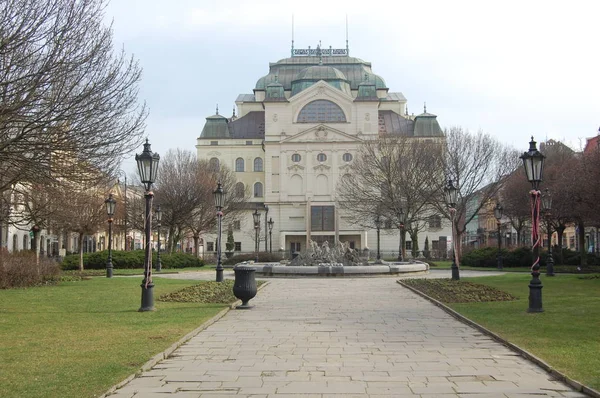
408,244
238,247
236,225
214,143
248,142
322,218
210,247
295,247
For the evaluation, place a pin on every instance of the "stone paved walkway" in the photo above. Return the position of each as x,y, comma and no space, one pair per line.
362,337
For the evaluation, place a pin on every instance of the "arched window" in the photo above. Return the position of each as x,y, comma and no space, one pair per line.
239,190
347,157
258,164
321,111
214,164
321,157
25,242
239,165
15,243
258,190
296,158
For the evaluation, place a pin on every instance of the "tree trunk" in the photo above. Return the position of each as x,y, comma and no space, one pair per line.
559,235
170,239
414,236
197,245
36,246
582,246
81,252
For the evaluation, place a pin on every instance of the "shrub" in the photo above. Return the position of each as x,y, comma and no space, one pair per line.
20,270
129,259
521,257
263,257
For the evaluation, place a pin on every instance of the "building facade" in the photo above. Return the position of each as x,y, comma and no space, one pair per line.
296,135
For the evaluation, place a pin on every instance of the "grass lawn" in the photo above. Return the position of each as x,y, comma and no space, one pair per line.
77,339
565,335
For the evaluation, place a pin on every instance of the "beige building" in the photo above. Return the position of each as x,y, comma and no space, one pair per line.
295,137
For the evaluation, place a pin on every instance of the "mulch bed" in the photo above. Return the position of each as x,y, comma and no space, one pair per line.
449,291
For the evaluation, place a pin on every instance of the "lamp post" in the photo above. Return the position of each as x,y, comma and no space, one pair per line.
451,192
147,163
266,223
533,162
547,206
498,214
256,216
402,219
158,221
110,203
270,224
378,227
218,195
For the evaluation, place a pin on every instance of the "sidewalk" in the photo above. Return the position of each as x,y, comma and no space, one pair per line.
347,337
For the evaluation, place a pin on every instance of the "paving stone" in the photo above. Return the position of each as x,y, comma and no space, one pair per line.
335,338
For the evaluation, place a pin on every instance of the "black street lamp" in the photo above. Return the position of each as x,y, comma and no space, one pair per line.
158,221
218,195
402,219
147,163
547,206
266,223
498,214
378,227
533,162
256,216
451,192
270,224
110,210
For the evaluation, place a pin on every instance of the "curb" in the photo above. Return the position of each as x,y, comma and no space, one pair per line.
526,354
166,353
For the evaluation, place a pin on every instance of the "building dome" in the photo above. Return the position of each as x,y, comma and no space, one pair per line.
311,75
320,72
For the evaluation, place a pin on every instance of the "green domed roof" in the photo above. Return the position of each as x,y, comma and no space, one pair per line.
320,72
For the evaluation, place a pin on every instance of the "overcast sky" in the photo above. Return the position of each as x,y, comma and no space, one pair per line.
510,68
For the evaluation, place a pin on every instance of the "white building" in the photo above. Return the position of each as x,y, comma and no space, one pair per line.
296,135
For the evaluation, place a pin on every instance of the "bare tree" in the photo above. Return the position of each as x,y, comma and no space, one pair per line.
66,97
185,188
479,164
391,176
515,201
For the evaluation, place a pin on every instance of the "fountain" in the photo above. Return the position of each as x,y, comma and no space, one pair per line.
338,260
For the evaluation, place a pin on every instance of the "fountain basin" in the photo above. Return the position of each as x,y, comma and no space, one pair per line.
277,269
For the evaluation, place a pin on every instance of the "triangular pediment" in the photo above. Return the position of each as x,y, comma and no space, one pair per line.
321,133
321,89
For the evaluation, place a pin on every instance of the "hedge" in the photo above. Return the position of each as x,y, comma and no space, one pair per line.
130,259
520,257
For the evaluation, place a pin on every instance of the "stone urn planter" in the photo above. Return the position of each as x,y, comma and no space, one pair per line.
244,286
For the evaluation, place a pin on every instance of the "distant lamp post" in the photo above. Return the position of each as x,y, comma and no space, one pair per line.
498,214
547,206
533,162
266,229
110,203
402,219
451,192
270,224
158,222
218,195
147,163
256,216
378,227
